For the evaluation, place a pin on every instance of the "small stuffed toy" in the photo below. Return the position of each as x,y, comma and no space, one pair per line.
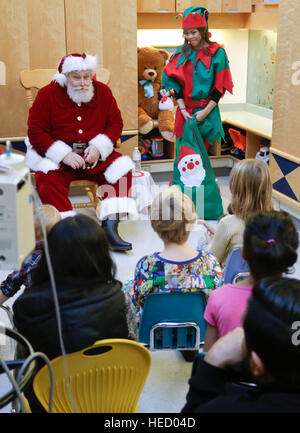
151,63
166,102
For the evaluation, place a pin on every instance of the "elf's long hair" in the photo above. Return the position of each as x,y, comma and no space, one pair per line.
205,37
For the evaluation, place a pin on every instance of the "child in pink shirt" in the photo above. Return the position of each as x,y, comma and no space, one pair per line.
270,247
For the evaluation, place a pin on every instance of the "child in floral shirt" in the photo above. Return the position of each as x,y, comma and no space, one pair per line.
178,268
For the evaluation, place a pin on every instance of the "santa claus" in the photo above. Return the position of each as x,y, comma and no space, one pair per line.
190,167
73,125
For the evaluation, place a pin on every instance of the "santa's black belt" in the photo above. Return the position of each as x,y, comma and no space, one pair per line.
78,147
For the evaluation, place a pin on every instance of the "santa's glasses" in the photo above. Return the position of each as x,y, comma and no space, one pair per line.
80,79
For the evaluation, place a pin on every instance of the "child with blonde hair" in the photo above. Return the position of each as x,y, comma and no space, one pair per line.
178,267
251,192
45,214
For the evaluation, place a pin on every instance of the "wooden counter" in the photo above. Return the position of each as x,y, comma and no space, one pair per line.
256,121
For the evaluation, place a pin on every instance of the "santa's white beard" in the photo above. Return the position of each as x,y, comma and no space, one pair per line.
80,94
193,179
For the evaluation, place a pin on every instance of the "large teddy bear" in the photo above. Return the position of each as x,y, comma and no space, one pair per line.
153,103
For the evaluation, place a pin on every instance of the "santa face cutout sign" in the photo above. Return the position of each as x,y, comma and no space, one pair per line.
190,167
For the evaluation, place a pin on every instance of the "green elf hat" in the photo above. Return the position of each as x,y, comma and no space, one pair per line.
194,17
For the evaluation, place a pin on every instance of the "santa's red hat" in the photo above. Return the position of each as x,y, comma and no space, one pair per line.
184,152
74,62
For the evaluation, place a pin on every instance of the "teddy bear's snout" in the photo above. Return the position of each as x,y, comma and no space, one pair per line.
150,74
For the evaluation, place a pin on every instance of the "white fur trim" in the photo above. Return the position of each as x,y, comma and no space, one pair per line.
73,63
61,79
117,205
57,151
67,213
36,162
104,145
118,169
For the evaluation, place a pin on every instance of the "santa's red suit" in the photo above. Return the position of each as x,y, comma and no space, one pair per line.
56,122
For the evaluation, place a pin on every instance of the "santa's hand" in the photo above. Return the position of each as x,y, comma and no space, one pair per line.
74,160
92,155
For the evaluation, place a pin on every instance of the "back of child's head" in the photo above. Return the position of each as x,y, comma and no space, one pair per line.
270,243
269,325
171,213
251,188
45,214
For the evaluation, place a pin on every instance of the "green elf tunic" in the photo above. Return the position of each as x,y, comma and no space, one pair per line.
196,79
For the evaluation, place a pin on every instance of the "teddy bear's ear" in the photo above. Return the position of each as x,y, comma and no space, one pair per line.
138,49
166,54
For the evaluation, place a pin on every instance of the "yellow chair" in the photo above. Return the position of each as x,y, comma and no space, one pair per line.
107,382
37,78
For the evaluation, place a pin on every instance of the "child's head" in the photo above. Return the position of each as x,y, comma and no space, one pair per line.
78,248
47,213
268,324
171,211
251,188
270,244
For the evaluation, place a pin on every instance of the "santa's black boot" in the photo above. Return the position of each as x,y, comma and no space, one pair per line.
116,243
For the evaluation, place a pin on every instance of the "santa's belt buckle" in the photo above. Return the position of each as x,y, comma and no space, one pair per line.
79,148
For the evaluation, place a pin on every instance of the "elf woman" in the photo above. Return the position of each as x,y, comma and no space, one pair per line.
199,73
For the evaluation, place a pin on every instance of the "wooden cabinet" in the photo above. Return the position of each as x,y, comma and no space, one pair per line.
43,32
156,6
236,6
285,149
25,43
259,6
211,5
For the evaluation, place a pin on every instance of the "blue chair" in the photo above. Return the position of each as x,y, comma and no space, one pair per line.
173,321
236,267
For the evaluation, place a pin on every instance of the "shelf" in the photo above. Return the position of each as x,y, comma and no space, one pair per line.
157,161
253,123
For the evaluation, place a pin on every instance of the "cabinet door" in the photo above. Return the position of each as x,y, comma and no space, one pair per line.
25,43
156,5
261,6
236,6
211,5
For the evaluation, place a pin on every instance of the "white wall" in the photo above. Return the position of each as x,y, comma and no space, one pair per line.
235,43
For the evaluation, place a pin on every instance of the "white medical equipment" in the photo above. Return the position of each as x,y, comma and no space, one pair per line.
17,235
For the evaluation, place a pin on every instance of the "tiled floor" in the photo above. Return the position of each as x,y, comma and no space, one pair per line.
167,383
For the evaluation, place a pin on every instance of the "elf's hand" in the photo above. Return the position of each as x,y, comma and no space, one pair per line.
200,116
185,114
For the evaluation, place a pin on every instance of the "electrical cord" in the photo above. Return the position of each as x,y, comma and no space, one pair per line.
25,373
38,202
6,398
28,361
23,378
